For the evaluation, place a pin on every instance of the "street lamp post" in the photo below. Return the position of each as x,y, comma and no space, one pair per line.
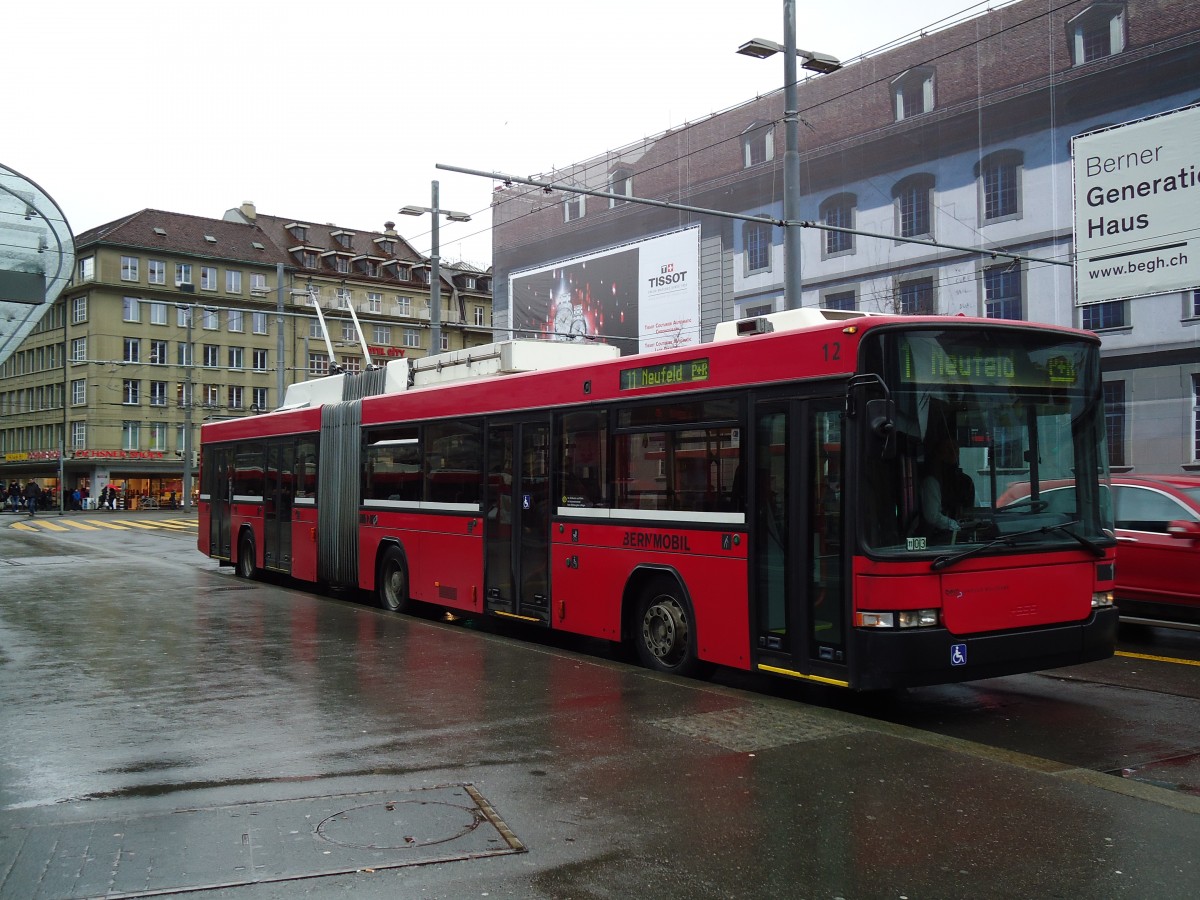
435,273
816,62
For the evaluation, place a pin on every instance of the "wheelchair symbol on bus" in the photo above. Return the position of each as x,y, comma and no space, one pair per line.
958,654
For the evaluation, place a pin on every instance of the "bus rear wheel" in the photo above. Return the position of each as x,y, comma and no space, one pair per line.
247,566
391,582
665,637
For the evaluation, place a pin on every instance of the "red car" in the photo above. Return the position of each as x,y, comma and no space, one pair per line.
1158,542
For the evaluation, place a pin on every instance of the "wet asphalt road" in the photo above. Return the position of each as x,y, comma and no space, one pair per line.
166,727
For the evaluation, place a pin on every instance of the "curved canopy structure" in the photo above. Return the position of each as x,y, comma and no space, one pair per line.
37,257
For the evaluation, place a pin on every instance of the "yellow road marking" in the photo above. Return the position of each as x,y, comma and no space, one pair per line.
107,524
1167,659
24,526
141,525
84,526
49,526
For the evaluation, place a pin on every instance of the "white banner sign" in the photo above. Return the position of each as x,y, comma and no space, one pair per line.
1137,190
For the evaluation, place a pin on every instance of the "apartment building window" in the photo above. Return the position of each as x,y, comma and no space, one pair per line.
183,273
259,398
314,329
237,357
258,359
183,353
1098,316
236,395
374,302
351,365
158,313
233,281
999,178
479,316
758,144
79,392
383,334
1196,418
342,297
839,300
78,435
130,435
445,341
838,212
129,268
87,268
912,197
79,349
131,309
258,282
210,318
158,393
212,395
619,182
349,334
412,337
915,297
756,237
1002,291
183,316
573,207
131,392
158,353
404,306
208,278
235,320
133,350
318,364
79,309
158,436
156,271
183,395
912,93
212,356
1114,421
259,322
1097,32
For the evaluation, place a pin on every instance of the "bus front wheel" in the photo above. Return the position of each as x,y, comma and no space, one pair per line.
247,566
391,583
665,636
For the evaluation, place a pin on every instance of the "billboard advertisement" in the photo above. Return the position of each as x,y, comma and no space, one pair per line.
1136,191
641,296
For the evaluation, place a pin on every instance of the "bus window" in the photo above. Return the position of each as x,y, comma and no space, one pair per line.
453,461
306,468
582,451
392,468
690,470
248,471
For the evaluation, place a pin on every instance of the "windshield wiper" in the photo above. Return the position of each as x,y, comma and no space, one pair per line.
943,562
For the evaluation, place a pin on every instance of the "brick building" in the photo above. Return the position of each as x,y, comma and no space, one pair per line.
960,138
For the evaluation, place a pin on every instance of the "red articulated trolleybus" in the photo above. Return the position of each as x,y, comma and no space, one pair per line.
813,494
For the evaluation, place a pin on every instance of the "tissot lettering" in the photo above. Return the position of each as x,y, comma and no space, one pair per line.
666,278
656,540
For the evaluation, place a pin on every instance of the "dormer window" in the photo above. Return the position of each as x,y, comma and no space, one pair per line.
298,231
310,259
912,93
387,246
344,238
619,182
1097,32
573,208
758,144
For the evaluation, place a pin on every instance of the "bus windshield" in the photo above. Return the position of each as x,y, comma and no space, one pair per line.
998,443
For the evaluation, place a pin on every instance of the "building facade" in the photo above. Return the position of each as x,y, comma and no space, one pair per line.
172,320
931,156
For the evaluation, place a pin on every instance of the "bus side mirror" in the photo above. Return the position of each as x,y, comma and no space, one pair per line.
881,419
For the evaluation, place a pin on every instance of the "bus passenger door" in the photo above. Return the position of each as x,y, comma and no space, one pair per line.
220,486
796,534
517,536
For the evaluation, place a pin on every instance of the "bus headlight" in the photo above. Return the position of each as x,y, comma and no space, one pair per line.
905,618
1102,599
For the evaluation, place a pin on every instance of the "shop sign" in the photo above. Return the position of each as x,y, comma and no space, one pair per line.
386,351
31,456
120,454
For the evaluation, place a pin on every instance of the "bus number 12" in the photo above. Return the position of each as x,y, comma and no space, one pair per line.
833,352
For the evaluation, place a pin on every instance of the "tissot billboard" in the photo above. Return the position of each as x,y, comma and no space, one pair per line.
642,296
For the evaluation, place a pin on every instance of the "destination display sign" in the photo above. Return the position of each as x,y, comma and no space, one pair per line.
926,360
682,372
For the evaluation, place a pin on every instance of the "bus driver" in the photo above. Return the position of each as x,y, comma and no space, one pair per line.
947,492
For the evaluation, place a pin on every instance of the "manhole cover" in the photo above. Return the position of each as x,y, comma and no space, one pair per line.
399,824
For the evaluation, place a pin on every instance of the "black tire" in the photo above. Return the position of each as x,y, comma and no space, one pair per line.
247,564
391,582
664,630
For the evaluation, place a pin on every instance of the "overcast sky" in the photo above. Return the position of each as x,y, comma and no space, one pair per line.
339,111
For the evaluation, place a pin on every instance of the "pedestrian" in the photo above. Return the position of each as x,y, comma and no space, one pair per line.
33,493
14,496
76,498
